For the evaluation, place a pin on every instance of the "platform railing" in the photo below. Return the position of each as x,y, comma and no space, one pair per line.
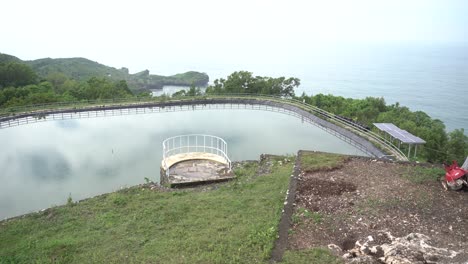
35,112
389,146
199,143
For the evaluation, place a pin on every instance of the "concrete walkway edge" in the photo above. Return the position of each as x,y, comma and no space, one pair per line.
286,216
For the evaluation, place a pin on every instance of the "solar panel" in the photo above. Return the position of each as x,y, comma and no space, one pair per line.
398,133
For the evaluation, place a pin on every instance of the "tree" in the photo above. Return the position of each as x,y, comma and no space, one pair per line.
194,91
16,74
245,82
457,146
102,88
58,80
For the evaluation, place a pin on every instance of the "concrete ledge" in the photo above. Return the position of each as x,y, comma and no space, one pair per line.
171,160
196,171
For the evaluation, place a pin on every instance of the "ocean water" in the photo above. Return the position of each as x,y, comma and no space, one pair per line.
433,79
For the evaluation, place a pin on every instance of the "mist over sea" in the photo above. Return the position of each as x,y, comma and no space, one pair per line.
432,78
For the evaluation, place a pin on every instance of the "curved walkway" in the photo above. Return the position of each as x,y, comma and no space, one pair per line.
359,138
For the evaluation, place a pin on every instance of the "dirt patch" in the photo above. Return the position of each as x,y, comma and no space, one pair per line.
366,197
318,192
325,188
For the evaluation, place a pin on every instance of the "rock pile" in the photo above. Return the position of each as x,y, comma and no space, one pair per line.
413,248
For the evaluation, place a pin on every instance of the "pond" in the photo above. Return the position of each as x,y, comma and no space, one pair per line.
45,163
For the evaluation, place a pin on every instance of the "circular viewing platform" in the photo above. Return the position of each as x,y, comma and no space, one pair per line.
193,159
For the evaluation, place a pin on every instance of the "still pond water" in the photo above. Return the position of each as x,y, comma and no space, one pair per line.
43,163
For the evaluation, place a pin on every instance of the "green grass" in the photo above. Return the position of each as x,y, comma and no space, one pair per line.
310,256
303,214
236,223
311,161
420,175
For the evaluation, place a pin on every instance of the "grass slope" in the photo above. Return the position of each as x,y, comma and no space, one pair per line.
235,223
315,161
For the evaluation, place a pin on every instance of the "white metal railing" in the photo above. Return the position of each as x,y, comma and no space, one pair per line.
195,143
56,107
315,110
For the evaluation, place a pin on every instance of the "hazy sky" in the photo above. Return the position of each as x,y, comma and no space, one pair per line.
140,34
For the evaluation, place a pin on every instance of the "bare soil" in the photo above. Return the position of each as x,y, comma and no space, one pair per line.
366,197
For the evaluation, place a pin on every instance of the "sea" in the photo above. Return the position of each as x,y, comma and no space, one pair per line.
430,78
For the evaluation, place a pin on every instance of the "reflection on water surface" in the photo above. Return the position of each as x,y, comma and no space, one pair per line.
43,163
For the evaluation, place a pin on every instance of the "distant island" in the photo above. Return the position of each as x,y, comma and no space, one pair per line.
82,69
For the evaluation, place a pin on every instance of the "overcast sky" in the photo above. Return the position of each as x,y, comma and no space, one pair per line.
142,34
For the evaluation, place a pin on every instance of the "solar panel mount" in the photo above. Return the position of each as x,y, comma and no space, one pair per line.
402,135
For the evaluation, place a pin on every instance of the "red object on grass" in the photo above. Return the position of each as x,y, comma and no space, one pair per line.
454,172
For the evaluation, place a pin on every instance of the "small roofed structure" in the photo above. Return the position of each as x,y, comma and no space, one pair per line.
401,135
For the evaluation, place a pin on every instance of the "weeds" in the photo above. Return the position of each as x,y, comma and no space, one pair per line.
70,200
317,217
314,255
119,199
420,175
296,219
303,214
261,238
311,161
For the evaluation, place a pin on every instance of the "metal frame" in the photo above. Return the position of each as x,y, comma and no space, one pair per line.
343,129
190,143
401,135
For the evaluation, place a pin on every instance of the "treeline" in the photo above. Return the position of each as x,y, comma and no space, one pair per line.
20,85
244,82
440,146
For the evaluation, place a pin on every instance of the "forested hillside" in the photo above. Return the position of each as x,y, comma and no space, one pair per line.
20,85
81,69
441,145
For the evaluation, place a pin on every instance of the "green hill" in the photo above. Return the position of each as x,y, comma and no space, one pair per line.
83,69
76,68
5,58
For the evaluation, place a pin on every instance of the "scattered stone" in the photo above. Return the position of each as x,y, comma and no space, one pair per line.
413,248
335,249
